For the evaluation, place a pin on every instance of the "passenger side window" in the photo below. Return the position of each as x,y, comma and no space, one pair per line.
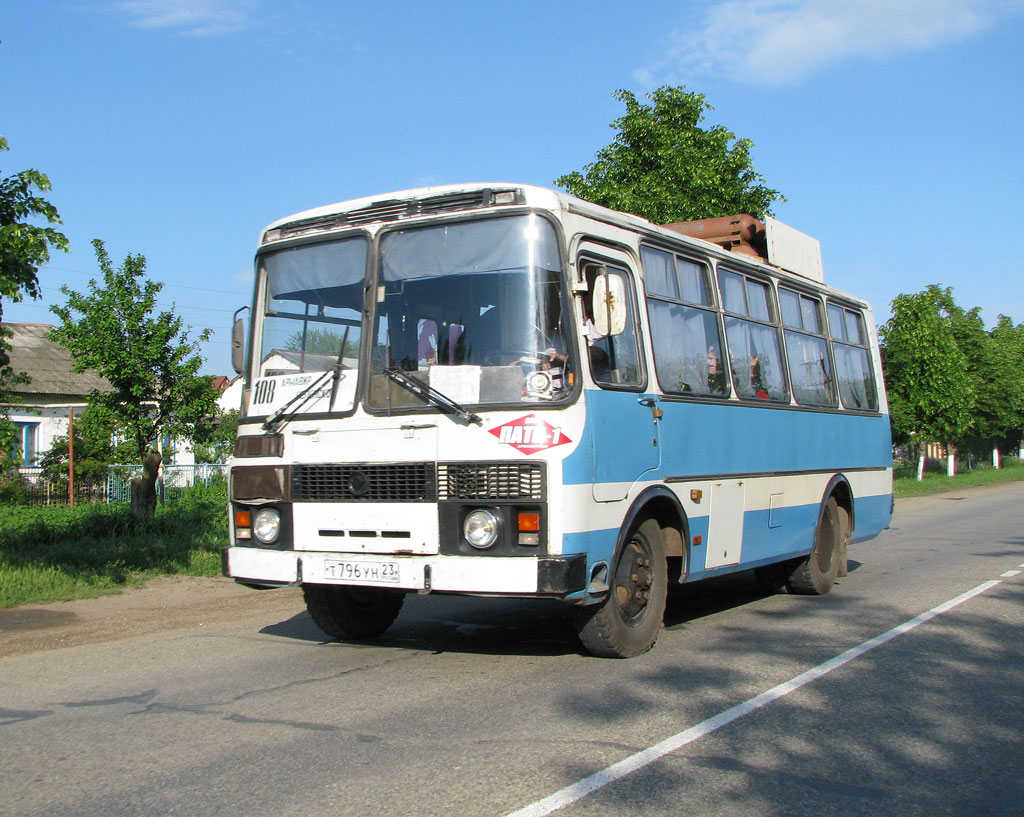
614,359
684,325
810,370
755,355
853,360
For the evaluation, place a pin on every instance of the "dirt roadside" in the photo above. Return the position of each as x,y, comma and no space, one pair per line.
178,603
162,604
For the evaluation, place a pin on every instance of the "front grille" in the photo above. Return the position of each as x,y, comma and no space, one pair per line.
490,480
399,209
399,482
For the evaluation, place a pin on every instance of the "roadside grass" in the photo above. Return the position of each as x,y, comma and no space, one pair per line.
906,483
57,553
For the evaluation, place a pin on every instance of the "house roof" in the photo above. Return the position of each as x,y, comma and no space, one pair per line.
48,363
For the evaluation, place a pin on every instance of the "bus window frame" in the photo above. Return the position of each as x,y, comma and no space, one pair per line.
774,322
714,307
867,347
822,309
627,264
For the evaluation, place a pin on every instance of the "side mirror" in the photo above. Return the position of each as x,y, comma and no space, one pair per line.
609,303
238,342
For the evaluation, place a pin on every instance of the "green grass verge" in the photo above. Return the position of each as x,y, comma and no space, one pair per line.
906,483
56,553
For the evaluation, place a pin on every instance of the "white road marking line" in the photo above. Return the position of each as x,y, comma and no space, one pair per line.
1009,574
580,789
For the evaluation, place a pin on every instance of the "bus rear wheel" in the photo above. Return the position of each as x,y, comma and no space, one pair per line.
627,622
350,613
815,575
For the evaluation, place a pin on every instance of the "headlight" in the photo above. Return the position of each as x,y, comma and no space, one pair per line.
481,529
266,525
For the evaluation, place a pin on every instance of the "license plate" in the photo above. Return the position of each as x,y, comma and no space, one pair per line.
352,571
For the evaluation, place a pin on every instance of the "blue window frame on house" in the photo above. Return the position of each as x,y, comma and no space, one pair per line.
28,443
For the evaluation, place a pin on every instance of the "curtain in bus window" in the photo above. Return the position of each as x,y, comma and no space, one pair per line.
854,332
809,369
733,297
311,274
687,349
755,358
758,300
790,303
659,273
693,282
811,315
856,385
489,245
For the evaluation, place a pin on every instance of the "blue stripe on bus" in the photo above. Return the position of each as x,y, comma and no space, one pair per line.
702,439
792,537
871,514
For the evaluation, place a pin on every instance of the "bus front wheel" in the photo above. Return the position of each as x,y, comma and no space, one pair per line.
627,622
815,575
350,613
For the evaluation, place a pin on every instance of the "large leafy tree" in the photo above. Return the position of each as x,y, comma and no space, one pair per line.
24,247
663,165
1005,422
931,395
148,360
993,371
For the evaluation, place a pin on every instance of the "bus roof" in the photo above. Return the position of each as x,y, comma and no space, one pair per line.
770,242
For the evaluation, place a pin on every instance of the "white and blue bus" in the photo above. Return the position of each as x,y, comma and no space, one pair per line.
502,390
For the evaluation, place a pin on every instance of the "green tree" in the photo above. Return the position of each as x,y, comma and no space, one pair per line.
147,358
24,247
218,442
993,371
664,166
931,397
96,446
1008,382
322,341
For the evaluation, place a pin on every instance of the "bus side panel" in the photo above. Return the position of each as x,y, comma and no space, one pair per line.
785,457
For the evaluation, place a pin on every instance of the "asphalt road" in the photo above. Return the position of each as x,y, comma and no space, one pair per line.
486,707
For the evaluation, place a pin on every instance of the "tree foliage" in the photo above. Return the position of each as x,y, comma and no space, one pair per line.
148,360
322,341
96,446
949,379
218,442
664,166
930,394
24,247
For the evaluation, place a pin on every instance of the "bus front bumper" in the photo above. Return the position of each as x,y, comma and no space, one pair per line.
485,575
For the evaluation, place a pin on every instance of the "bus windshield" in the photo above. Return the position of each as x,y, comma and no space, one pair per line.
474,309
312,325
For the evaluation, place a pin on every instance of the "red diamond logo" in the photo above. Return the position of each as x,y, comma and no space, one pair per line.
530,434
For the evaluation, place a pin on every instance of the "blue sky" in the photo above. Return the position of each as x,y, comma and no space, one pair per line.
179,128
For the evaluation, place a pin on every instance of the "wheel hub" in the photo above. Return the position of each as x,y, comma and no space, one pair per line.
633,590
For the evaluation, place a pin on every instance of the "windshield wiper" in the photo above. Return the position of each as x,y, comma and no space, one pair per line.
431,395
282,415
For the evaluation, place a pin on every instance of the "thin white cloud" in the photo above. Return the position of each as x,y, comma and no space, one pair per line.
782,41
200,18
